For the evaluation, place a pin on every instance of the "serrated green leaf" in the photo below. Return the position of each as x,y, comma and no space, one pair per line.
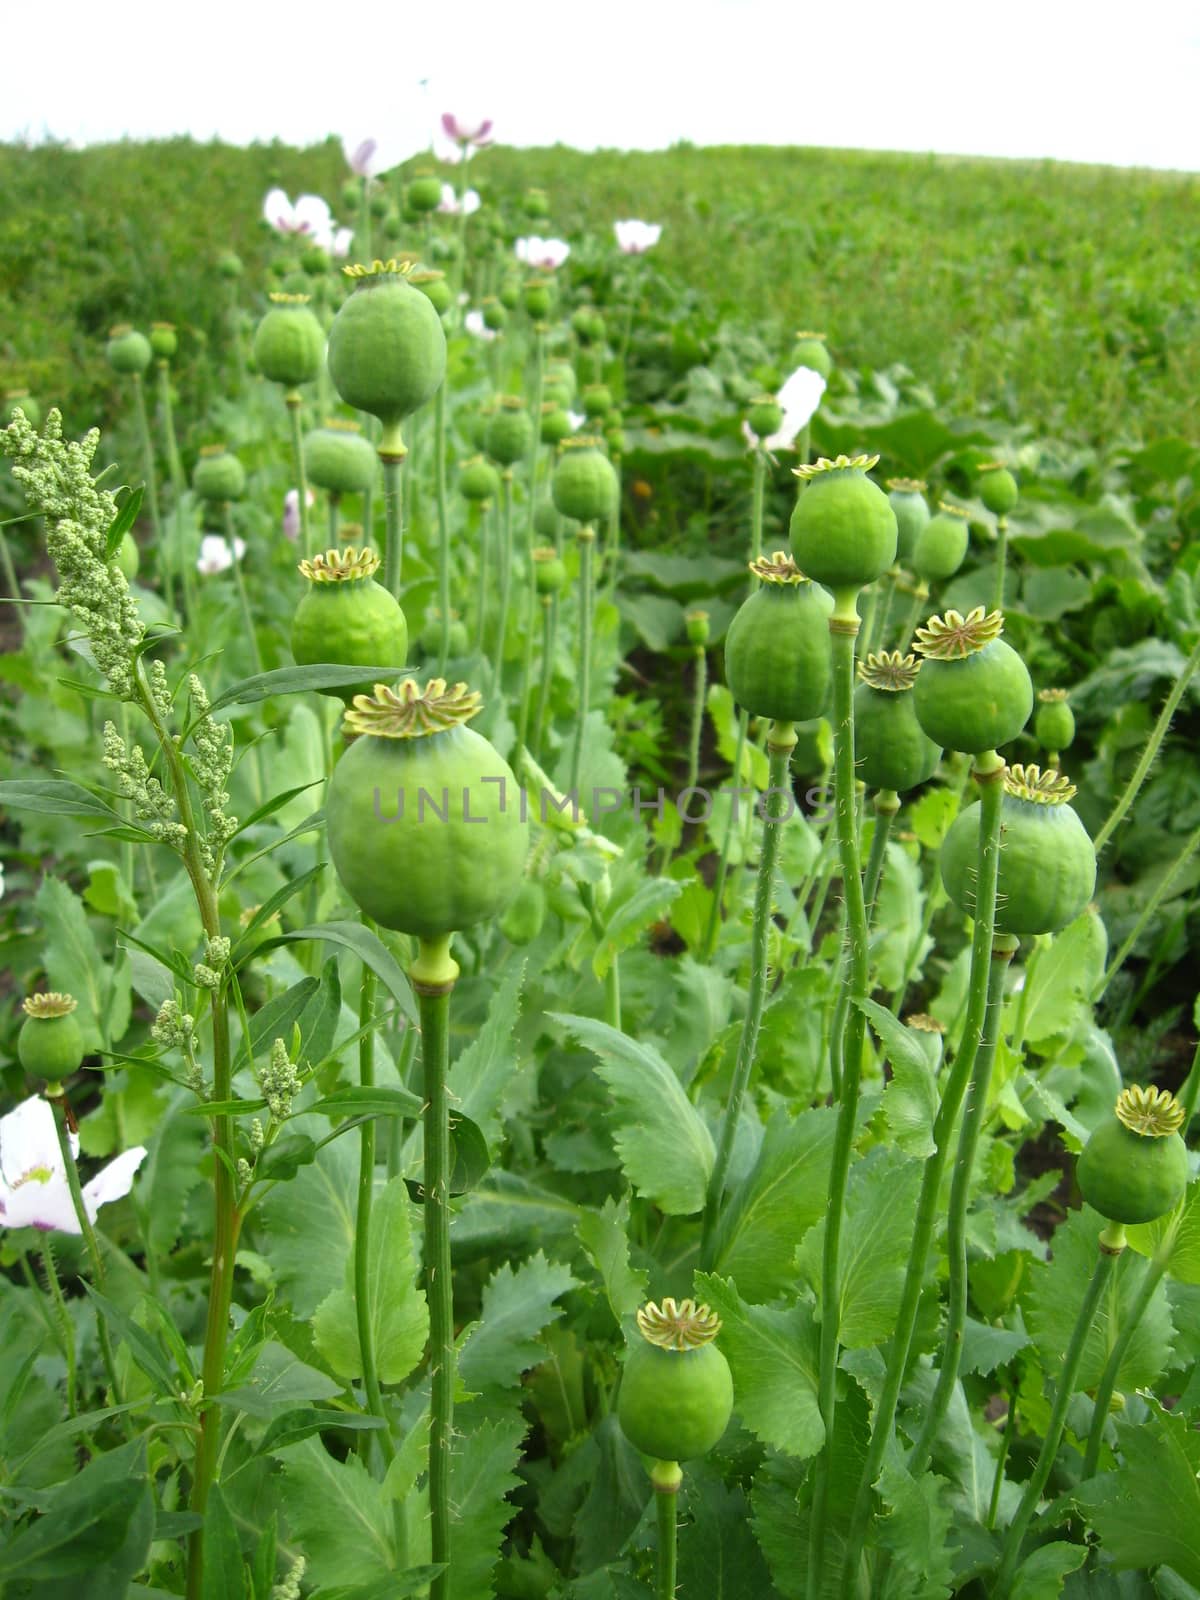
1147,1511
915,1531
481,1477
773,1355
666,1150
481,1074
398,1314
1064,978
338,1515
309,1224
910,1099
604,1234
305,1421
718,1554
517,1306
86,1520
1177,1235
367,946
278,1382
629,920
74,965
985,1348
1040,1576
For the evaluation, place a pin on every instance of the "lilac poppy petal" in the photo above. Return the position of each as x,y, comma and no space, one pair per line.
450,125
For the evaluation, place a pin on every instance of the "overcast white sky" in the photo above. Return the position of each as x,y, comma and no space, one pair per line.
1079,82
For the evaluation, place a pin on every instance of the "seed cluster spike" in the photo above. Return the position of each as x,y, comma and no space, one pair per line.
779,567
839,464
1154,1113
51,1004
953,637
409,712
889,670
340,566
1043,787
678,1325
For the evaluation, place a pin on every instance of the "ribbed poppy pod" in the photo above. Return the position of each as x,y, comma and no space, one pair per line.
676,1395
495,314
346,618
597,400
478,481
1047,871
998,488
537,297
892,750
561,374
546,519
433,285
426,828
584,486
906,496
229,266
128,351
164,341
50,1045
218,475
549,570
810,351
843,530
1134,1167
778,660
974,692
555,424
387,349
509,432
338,459
1054,721
289,341
424,193
314,261
941,546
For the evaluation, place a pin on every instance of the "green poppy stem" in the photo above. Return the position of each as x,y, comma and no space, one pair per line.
239,583
1001,563
167,412
586,538
443,522
757,490
151,471
1155,1271
539,721
58,1105
713,926
699,689
506,559
293,402
362,1223
666,1476
65,1327
393,506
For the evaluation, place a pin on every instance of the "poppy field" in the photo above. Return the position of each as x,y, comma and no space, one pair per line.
599,845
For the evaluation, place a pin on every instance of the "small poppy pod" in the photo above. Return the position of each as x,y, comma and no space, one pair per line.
1047,870
906,496
561,374
337,458
20,400
546,519
424,193
778,659
509,433
974,692
509,294
676,1394
495,315
218,475
535,203
127,350
941,545
352,191
555,425
585,485
378,203
434,287
891,749
538,297
810,351
597,400
1134,1166
348,619
998,489
164,341
765,416
289,341
478,480
1054,721
526,916
393,225
549,570
457,641
696,627
50,1045
387,348
843,530
314,262
229,265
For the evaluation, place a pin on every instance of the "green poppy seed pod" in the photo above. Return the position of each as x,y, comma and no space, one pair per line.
537,297
495,314
424,193
289,341
597,400
584,486
557,394
296,284
1047,871
546,520
549,570
479,480
393,225
425,825
998,489
616,441
556,424
696,626
676,1395
1054,721
434,287
314,262
509,432
21,400
509,294
387,349
230,265
536,203
128,351
379,203
581,324
50,1045
906,496
351,194
338,459
525,917
778,659
128,558
280,266
974,692
431,634
218,476
941,546
843,529
562,373
809,351
765,416
892,750
1134,1167
164,341
345,617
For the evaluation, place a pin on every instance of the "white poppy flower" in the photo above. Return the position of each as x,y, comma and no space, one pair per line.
451,204
635,237
546,254
799,397
215,554
309,217
33,1177
474,324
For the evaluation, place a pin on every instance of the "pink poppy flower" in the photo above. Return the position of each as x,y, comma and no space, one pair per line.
476,131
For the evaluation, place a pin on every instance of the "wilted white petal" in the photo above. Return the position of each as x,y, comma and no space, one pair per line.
112,1182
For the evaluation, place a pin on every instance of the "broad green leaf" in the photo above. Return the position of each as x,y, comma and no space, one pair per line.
85,1523
931,816
604,1234
1040,1576
169,1173
279,1382
1064,978
916,1529
517,1306
790,1056
74,965
881,1198
985,1348
367,946
309,1226
55,797
783,1196
1147,1511
719,1556
302,680
1177,1235
398,1314
773,1356
665,1148
647,904
481,1075
360,1101
305,1421
899,905
338,1515
224,1569
606,1484
507,1212
755,766
481,1476
127,514
910,1100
